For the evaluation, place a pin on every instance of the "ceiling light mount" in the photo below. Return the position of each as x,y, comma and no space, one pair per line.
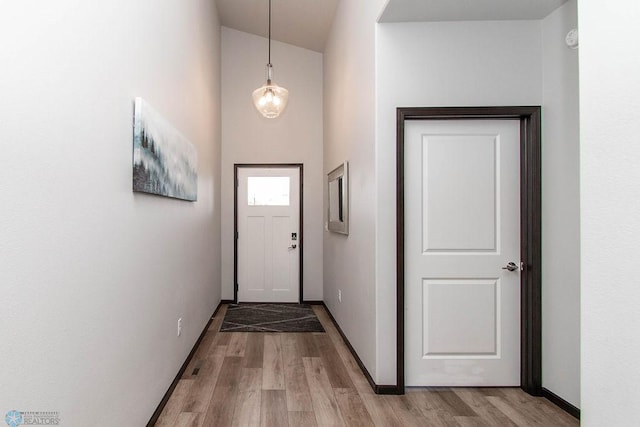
270,99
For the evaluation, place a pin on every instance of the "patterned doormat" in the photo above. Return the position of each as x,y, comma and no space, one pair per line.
270,318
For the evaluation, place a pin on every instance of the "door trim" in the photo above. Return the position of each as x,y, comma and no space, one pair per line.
237,166
530,230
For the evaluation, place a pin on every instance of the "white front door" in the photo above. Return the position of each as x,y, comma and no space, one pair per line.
462,222
268,234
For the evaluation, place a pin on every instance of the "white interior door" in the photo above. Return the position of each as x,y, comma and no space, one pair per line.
462,222
268,234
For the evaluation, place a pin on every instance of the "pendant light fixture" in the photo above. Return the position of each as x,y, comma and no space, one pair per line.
270,99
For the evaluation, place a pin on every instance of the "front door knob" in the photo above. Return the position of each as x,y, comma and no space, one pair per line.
511,267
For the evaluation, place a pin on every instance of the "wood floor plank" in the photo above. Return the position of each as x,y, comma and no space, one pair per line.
223,402
223,338
355,373
217,350
476,399
250,379
217,320
433,408
297,388
201,353
322,395
380,410
407,413
333,363
514,415
247,410
455,405
272,367
326,321
352,408
176,402
307,345
551,410
203,348
273,411
200,393
536,408
472,422
237,344
488,391
254,350
188,419
302,419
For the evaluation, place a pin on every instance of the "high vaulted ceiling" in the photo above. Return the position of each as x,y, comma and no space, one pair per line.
306,23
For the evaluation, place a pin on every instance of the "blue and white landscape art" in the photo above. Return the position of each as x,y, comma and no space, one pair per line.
164,162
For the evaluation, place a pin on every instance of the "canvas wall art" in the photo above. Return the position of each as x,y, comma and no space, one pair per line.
164,161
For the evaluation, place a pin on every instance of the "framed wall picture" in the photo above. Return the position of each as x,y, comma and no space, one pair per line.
164,162
338,203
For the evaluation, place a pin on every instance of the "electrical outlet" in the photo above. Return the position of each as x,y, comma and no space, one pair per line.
179,326
339,295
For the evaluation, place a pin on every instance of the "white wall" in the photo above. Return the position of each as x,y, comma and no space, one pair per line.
560,207
349,134
94,276
294,137
610,202
475,63
447,64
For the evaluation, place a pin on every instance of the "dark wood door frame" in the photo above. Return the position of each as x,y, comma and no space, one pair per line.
530,229
237,166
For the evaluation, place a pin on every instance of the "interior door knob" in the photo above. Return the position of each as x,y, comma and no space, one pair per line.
511,267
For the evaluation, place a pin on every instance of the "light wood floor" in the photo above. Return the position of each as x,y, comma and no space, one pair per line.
308,379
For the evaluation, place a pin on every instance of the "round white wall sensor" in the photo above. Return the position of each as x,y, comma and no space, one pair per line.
572,39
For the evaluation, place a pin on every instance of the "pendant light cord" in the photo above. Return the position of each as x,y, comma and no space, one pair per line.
269,32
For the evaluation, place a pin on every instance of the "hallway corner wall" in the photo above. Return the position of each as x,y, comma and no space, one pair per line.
560,207
349,135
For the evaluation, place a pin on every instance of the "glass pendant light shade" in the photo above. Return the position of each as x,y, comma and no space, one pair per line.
270,99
